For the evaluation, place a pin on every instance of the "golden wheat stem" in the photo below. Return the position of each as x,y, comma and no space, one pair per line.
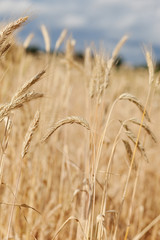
8,125
104,196
98,156
29,135
148,99
103,136
128,176
14,202
147,228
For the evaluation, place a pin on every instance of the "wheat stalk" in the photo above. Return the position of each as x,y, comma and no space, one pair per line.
158,81
28,84
148,101
5,48
29,135
70,45
112,59
68,120
131,98
60,39
119,46
150,67
133,138
18,102
69,219
146,127
147,228
4,144
10,28
46,38
98,77
28,40
129,152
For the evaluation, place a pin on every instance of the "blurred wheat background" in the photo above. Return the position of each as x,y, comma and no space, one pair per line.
79,143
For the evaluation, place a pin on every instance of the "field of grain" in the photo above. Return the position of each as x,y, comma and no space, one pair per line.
79,144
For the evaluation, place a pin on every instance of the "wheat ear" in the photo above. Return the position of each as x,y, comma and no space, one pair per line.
150,67
10,28
131,98
146,128
46,38
4,49
28,40
112,59
60,39
18,102
28,84
32,128
68,120
133,138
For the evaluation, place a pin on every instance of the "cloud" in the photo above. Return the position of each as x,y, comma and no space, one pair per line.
109,18
72,21
13,7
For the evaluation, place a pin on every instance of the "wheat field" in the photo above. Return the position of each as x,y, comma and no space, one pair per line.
79,143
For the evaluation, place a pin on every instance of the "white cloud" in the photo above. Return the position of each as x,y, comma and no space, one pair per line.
112,18
12,7
72,21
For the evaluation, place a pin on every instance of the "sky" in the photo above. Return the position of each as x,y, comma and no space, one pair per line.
103,22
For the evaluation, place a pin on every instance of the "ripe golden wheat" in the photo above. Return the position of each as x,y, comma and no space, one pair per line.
81,184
